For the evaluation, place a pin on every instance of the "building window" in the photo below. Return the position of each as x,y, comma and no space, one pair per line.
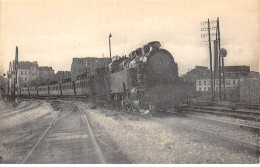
216,88
227,82
205,88
209,82
234,82
25,72
209,89
199,88
25,79
216,82
199,82
205,82
21,72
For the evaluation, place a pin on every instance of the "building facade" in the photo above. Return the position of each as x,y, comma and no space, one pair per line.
27,71
61,76
87,66
239,87
30,71
45,72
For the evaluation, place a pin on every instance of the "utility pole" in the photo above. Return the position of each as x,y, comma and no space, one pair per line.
207,33
9,76
110,46
210,56
215,61
16,68
219,60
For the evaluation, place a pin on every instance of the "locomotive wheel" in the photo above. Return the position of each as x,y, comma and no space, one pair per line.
127,105
151,108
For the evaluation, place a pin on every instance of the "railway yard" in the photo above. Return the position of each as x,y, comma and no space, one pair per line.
79,131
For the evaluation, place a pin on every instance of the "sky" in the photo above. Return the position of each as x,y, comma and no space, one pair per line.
53,32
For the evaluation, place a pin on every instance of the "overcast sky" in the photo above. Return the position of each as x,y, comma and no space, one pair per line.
52,33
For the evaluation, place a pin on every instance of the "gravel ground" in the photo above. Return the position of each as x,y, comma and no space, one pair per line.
147,139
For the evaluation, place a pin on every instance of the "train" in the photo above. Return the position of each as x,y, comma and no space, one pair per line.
146,79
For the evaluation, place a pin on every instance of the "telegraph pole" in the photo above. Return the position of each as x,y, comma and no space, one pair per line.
210,56
16,66
219,60
110,46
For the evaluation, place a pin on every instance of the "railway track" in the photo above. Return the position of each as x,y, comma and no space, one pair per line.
19,108
70,138
249,106
245,115
246,144
14,112
226,123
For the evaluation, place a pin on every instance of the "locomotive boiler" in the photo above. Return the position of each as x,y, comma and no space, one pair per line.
146,79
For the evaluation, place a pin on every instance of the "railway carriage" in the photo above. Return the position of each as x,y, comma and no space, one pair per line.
33,91
68,89
24,91
82,87
43,91
55,90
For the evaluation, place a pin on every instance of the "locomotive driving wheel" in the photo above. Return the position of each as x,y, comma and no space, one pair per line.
151,109
127,105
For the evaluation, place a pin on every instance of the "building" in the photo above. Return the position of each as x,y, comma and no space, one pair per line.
190,78
45,72
241,86
27,71
232,75
236,71
196,73
204,83
62,76
87,66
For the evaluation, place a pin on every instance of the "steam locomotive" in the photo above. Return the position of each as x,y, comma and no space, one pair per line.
145,80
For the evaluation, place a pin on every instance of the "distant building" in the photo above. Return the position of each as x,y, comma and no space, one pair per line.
45,72
87,66
236,71
204,83
62,76
196,73
30,71
241,85
191,76
27,71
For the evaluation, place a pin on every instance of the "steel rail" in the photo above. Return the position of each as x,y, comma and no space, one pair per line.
44,133
251,128
234,140
96,145
245,117
226,110
6,111
19,111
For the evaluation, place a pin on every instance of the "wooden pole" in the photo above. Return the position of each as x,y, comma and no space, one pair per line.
219,60
210,56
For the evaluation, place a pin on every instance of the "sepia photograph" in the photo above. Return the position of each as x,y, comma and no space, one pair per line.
129,82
